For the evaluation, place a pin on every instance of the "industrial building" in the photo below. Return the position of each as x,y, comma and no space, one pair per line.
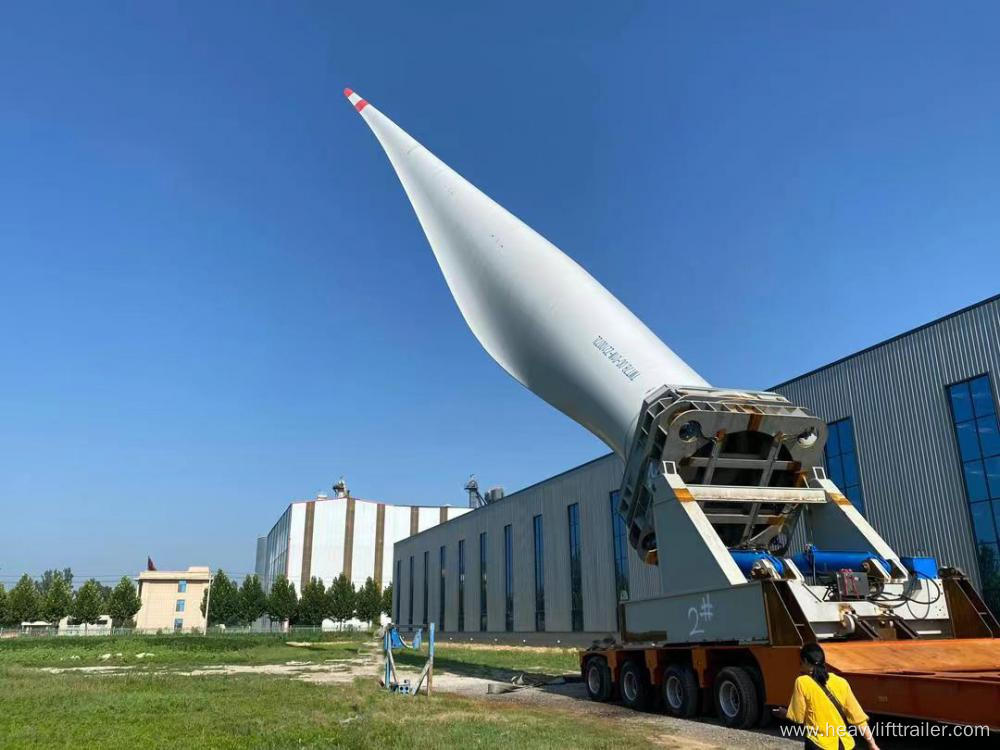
913,442
328,536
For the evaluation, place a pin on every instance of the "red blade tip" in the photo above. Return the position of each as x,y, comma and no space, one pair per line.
348,92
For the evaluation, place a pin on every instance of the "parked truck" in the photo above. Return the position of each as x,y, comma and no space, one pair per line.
724,491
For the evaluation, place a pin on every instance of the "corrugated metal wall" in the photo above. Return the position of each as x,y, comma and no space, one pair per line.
895,394
590,486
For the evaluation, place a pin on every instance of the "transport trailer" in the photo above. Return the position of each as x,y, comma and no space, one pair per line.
724,492
954,681
719,488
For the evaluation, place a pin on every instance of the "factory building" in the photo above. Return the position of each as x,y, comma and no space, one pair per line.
341,534
914,443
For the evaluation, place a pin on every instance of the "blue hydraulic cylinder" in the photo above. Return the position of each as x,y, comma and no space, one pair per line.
745,559
812,560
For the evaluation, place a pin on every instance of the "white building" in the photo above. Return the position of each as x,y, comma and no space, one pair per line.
341,534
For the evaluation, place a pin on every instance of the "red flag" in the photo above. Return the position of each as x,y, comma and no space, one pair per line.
149,563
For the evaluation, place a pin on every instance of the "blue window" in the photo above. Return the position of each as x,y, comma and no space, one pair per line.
482,581
395,589
977,434
427,575
508,578
180,606
178,624
409,613
842,461
575,568
440,622
539,574
620,549
461,585
182,587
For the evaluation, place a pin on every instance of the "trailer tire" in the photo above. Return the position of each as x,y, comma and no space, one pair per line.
736,698
597,678
636,692
766,717
681,694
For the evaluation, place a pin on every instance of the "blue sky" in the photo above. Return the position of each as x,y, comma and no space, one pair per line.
215,298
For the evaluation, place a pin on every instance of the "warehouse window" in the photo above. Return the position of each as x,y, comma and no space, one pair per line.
180,606
482,581
427,572
182,587
539,575
178,624
620,549
575,574
409,614
440,622
396,591
974,412
508,578
461,585
842,461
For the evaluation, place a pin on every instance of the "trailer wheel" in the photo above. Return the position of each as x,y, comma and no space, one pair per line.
736,699
597,677
766,717
681,694
634,687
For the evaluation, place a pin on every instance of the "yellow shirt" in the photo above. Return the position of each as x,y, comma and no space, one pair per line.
811,707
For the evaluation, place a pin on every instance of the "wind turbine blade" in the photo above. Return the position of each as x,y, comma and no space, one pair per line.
541,316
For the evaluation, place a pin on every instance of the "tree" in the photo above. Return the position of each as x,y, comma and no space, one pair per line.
49,576
387,601
124,602
105,592
4,610
313,604
58,600
223,602
88,603
368,602
253,600
342,599
282,602
24,603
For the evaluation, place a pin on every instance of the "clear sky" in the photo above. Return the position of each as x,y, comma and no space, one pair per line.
215,298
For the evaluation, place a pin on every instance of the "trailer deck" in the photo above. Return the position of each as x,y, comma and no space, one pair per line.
950,680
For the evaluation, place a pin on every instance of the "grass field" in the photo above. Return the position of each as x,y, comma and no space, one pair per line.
167,650
485,662
154,706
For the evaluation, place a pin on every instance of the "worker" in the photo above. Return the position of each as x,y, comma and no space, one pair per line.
825,704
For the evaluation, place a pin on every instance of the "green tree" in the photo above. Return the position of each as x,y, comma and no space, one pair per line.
105,592
387,601
24,603
88,603
4,610
223,600
253,600
58,600
368,602
282,602
49,576
124,603
342,599
314,607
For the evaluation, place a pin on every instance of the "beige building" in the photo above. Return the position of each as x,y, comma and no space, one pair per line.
171,600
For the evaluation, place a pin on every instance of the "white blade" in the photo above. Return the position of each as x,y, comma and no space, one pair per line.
542,317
